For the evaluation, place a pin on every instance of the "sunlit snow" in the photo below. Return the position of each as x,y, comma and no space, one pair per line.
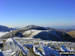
3,33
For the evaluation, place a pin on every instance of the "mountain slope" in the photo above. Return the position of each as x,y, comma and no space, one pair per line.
41,33
72,33
5,29
52,35
37,27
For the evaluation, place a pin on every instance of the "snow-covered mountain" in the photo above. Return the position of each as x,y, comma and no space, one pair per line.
5,28
52,35
32,40
43,33
38,27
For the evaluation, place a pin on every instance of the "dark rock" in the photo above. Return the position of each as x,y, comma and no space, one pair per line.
18,34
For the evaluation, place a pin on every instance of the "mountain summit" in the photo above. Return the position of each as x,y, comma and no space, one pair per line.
37,27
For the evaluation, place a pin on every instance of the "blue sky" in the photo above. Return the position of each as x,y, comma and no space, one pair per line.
19,13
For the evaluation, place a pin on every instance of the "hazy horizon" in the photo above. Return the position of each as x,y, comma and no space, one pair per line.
20,13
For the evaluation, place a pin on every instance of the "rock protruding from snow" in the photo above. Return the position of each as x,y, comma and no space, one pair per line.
44,51
18,34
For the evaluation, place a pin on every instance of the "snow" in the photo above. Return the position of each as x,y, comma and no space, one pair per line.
0,50
21,47
42,49
9,40
23,38
1,42
31,33
8,53
46,51
43,34
36,51
63,48
3,33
